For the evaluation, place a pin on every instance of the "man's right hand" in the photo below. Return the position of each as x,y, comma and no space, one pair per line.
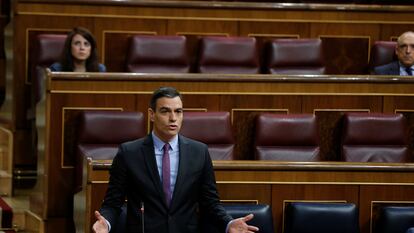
100,225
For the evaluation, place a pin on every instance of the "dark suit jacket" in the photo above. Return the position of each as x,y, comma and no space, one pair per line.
134,176
392,68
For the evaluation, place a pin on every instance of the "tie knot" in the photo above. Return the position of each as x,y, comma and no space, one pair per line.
166,147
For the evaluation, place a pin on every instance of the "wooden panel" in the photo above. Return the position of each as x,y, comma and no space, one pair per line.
279,183
391,31
277,29
243,96
250,193
202,27
340,56
346,29
397,104
320,102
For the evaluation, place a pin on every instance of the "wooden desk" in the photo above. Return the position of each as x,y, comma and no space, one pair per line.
244,96
368,185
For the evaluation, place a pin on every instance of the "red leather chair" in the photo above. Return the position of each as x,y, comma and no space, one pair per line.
374,137
47,49
157,54
382,52
295,56
101,132
287,137
213,129
228,55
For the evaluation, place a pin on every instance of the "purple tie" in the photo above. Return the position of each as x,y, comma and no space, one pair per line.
166,173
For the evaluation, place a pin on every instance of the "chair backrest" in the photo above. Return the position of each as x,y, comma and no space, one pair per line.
262,217
304,217
47,50
295,56
230,55
394,219
213,129
157,54
382,52
374,137
100,133
287,137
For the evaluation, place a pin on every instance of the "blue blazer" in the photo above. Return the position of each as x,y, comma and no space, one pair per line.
56,67
392,68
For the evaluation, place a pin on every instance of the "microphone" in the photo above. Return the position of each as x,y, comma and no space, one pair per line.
142,216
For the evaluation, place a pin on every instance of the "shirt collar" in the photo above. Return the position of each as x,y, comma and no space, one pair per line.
159,144
402,67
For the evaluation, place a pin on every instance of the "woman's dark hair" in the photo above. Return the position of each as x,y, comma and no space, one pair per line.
92,64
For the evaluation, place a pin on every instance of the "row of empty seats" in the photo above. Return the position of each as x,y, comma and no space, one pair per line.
169,54
311,217
235,55
367,137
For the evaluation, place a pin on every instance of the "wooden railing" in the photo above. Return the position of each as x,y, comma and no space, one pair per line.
368,185
244,96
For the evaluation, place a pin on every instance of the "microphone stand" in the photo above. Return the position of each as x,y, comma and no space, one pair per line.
142,217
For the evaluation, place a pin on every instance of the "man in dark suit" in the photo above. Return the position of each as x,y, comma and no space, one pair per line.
159,201
405,53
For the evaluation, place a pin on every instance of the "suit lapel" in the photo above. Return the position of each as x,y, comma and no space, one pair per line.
151,163
395,69
182,168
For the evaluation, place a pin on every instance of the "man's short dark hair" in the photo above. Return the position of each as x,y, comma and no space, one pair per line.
169,92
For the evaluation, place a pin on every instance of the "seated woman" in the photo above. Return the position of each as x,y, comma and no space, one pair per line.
79,53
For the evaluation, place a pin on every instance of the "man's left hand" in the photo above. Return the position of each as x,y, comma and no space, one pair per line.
239,225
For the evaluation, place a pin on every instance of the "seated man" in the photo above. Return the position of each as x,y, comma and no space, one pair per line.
405,53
